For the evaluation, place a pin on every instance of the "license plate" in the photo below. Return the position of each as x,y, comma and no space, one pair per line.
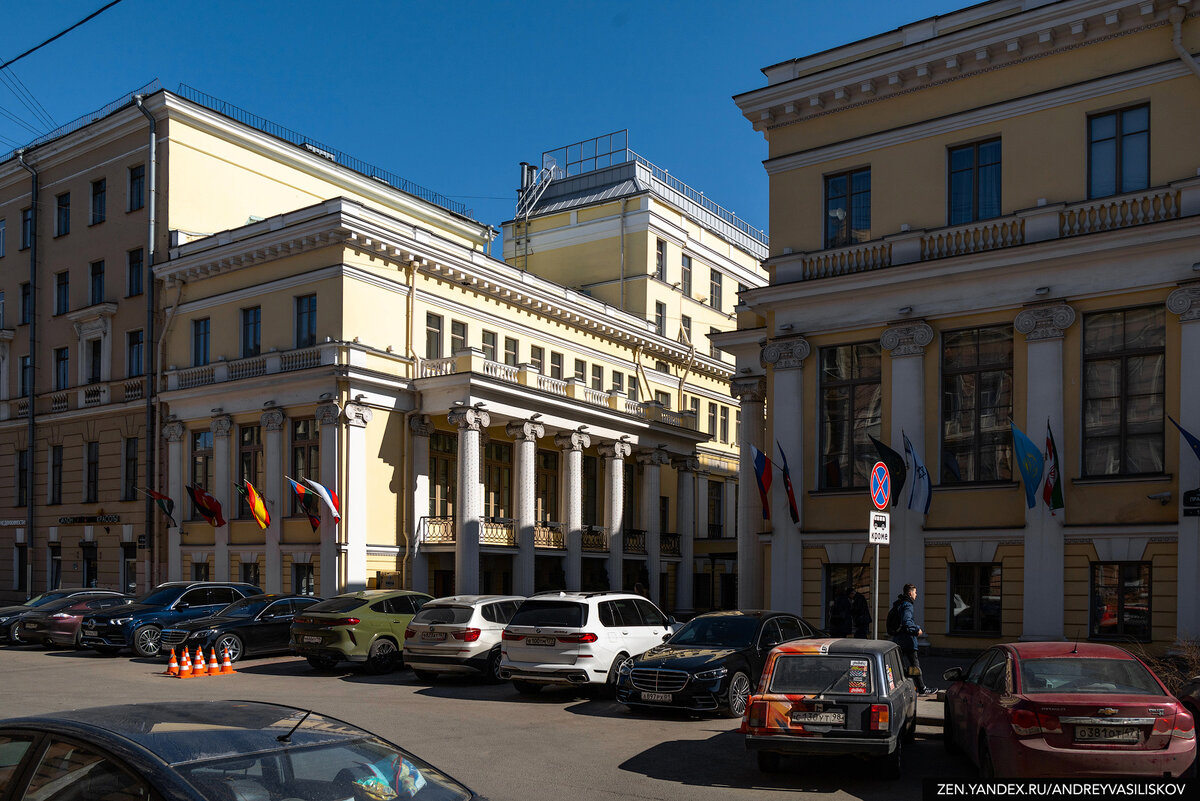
830,717
310,639
1107,734
31,625
540,640
433,636
657,698
90,629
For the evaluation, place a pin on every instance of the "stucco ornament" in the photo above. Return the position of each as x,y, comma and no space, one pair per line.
907,340
785,353
1185,302
1044,322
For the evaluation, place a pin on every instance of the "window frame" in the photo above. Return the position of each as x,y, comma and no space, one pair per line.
54,482
1120,632
981,577
99,201
62,292
459,332
135,263
135,187
512,351
851,207
135,352
851,385
1118,138
27,228
250,331
1006,439
685,275
62,369
304,313
91,475
131,465
434,324
96,282
201,341
62,214
975,168
488,340
716,288
660,318
660,260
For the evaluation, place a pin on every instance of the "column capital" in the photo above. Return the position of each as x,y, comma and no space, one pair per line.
572,440
421,425
220,425
173,431
1044,322
525,429
272,419
328,414
1185,302
907,340
688,463
749,390
469,418
357,415
614,450
785,353
655,456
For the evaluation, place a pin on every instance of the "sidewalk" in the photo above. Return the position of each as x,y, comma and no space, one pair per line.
930,708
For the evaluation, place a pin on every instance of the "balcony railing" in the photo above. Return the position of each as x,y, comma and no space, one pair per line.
716,531
635,540
595,539
437,530
135,389
1122,211
549,535
973,238
58,402
668,544
254,366
498,531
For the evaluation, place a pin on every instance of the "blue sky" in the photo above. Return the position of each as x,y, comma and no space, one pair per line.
453,95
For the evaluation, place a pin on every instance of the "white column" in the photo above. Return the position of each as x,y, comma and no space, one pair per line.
1043,328
173,432
572,443
786,357
686,471
750,392
729,505
222,491
273,421
652,462
421,428
906,551
329,418
525,434
1185,302
355,525
613,454
468,513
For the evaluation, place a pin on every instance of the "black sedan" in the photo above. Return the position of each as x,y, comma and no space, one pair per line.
11,616
252,626
711,664
208,751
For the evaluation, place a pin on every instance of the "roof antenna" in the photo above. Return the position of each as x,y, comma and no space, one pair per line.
287,738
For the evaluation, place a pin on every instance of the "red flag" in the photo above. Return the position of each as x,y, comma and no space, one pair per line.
762,472
207,506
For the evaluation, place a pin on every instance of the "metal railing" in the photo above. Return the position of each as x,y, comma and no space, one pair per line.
497,531
595,539
716,531
437,530
668,544
549,535
635,540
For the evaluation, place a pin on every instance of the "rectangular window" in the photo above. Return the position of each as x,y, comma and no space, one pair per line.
96,287
306,455
662,367
715,285
685,275
713,351
850,409
974,182
200,333
3,231
56,464
685,329
489,345
99,200
977,369
251,573
716,509
133,353
556,365
458,336
91,483
847,208
137,187
306,321
537,357
62,214
597,376
251,331
660,318
62,292
129,560
975,591
62,368
202,464
433,335
1119,151
1120,600
303,579
840,576
634,390
26,228
134,264
25,377
660,260
1123,389
510,351
712,418
22,478
200,571
94,363
580,370
250,463
663,398
26,303
724,424
129,476
618,381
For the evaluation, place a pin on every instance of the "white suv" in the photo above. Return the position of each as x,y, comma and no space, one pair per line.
459,634
578,638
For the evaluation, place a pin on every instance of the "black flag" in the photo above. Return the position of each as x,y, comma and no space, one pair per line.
895,466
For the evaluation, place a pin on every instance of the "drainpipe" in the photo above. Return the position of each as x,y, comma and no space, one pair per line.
1176,16
623,202
409,469
148,285
31,446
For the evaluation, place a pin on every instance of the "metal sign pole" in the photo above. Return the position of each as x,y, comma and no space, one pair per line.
875,591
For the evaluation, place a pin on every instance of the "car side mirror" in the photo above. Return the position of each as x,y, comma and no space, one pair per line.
181,607
954,674
671,621
268,616
666,636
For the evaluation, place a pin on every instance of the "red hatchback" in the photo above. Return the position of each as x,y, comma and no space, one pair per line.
1058,709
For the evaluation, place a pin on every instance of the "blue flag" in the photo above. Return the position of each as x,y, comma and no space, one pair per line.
1189,436
1030,461
922,487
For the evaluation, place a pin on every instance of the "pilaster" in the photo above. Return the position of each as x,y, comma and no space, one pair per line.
354,492
572,444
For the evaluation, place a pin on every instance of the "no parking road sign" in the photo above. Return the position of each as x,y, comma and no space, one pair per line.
881,486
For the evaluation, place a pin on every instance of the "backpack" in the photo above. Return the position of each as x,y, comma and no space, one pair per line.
894,620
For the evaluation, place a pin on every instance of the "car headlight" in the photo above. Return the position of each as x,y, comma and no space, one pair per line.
715,673
202,635
121,621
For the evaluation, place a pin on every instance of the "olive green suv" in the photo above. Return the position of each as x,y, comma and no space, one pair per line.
365,627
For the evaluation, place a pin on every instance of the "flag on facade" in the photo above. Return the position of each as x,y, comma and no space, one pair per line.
895,465
327,495
1029,461
1052,492
762,472
787,484
207,506
165,504
921,493
1191,438
255,501
308,502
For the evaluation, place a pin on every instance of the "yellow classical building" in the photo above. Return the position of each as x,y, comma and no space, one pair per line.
985,216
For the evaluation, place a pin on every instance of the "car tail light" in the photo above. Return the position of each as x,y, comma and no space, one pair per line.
304,620
62,616
409,634
346,621
881,717
1185,726
511,635
467,635
1028,721
585,637
756,714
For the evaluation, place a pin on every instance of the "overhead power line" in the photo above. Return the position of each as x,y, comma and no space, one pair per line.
59,35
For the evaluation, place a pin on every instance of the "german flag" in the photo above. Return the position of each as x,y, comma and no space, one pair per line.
255,501
207,506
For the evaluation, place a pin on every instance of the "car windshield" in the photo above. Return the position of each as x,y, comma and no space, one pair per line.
245,607
813,674
161,596
338,605
567,614
44,598
1093,676
443,614
363,769
717,632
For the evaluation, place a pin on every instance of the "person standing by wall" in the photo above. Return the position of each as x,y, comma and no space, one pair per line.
860,613
903,627
840,616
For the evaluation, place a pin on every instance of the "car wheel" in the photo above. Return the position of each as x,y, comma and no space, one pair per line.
321,662
492,674
987,771
147,641
614,675
383,657
527,687
737,696
910,732
13,636
891,766
424,675
948,733
232,644
768,762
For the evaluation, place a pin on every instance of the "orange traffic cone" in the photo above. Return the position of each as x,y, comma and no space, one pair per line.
214,669
198,664
172,665
227,664
185,667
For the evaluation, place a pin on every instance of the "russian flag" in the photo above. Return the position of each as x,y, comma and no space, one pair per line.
762,472
328,496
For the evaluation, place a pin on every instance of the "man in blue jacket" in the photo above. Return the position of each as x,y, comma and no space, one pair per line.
906,637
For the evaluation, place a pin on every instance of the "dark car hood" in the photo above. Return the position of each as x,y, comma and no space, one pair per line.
213,622
6,611
684,657
122,611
